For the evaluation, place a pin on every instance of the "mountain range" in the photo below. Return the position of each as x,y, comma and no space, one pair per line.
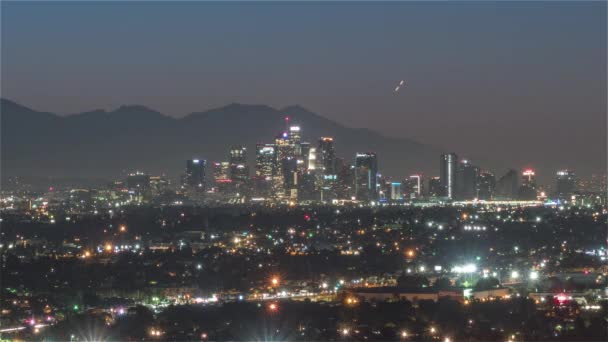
109,144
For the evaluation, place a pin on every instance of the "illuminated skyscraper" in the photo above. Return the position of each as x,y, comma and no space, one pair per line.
366,172
448,174
396,192
565,183
304,157
239,172
265,161
326,156
295,138
485,185
415,187
312,159
435,187
266,172
289,168
527,190
221,172
195,173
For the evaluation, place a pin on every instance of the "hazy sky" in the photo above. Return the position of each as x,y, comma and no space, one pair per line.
523,80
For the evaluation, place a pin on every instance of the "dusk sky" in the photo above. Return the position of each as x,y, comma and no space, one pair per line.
487,79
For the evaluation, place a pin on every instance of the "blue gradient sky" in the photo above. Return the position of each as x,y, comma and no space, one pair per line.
526,81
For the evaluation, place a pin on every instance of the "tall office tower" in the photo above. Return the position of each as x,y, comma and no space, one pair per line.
466,180
448,174
345,180
221,176
435,187
195,174
383,188
326,156
307,187
265,169
138,184
485,185
415,187
366,171
265,161
527,190
396,192
312,159
221,172
295,138
239,172
289,167
284,148
507,186
565,183
304,157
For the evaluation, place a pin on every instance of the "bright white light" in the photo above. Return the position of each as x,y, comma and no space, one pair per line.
514,275
533,275
468,268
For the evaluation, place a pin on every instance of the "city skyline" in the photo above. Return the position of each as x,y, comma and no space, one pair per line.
532,81
407,171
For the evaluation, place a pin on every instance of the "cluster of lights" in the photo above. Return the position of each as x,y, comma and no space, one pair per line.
468,268
475,228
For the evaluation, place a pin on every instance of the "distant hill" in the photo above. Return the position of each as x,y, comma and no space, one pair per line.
108,144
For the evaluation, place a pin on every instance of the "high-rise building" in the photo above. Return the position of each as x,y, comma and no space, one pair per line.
565,183
159,184
283,146
507,186
366,172
412,187
304,158
138,185
435,187
326,156
221,177
343,181
221,172
466,180
265,161
448,174
239,171
289,167
266,172
312,159
527,190
295,138
485,185
195,174
396,192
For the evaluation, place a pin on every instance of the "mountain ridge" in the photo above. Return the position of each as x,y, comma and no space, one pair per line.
110,143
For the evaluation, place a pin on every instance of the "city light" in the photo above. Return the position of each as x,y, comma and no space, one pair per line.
468,268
